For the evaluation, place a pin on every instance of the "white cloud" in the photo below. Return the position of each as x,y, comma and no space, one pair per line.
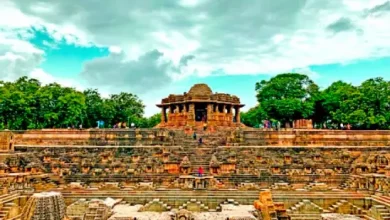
307,71
17,57
256,37
46,78
228,37
115,49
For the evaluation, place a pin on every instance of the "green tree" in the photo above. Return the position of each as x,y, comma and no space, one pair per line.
72,107
253,117
328,103
94,108
14,107
154,120
128,107
287,97
375,102
60,106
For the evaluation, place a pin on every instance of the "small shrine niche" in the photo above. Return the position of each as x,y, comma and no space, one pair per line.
136,158
276,170
287,159
317,158
185,166
308,169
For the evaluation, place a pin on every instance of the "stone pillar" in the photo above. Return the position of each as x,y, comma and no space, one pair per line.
225,115
209,112
163,116
191,115
238,114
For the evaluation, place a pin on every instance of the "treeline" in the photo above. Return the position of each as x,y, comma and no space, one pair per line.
291,96
27,104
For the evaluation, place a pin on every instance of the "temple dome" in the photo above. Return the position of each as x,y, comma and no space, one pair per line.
200,90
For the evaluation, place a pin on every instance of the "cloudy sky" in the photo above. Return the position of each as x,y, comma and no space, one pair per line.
157,47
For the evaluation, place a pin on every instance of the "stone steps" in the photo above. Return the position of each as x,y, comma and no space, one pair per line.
380,211
339,205
6,209
305,206
305,216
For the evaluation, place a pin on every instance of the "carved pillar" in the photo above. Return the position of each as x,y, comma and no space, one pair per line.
238,115
231,113
209,112
163,116
225,115
191,115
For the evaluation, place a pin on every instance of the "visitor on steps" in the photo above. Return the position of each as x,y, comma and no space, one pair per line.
200,141
200,172
204,126
194,135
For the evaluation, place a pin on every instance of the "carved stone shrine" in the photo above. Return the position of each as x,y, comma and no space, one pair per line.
200,106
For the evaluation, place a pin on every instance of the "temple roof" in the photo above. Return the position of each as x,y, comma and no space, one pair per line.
200,90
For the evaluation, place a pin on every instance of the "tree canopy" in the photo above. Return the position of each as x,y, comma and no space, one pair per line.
287,97
26,104
291,96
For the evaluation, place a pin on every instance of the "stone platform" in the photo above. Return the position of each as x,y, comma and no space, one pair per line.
310,171
232,136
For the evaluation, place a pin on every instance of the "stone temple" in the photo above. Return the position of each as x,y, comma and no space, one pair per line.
199,106
247,173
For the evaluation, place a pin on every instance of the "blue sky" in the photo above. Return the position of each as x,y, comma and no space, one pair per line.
67,60
129,47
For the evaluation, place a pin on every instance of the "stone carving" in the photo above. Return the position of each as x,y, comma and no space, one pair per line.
44,206
269,209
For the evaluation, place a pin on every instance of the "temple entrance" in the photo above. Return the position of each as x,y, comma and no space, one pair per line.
200,112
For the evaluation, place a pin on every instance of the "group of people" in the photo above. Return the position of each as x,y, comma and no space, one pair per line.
270,124
334,126
123,125
73,127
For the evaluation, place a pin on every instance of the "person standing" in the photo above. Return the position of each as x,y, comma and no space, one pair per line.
194,135
200,172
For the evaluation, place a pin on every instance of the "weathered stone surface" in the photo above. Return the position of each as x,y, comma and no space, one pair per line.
242,137
334,216
6,141
44,206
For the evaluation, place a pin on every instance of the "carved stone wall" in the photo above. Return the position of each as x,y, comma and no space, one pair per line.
44,206
6,141
242,137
